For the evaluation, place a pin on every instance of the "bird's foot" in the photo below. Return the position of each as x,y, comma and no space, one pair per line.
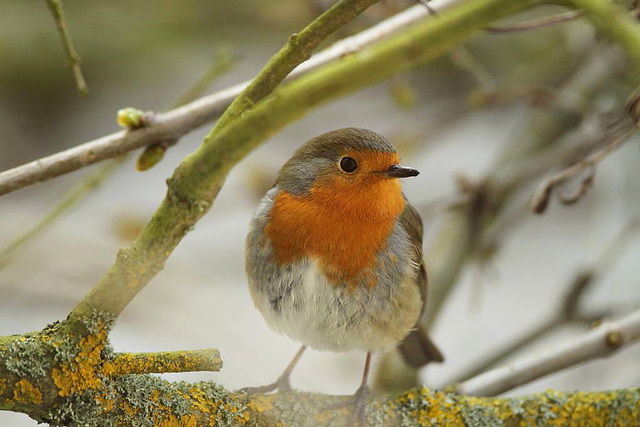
358,402
282,384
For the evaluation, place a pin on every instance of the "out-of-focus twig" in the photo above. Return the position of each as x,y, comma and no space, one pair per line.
567,313
55,6
154,153
536,96
569,310
535,23
83,188
603,341
223,61
465,60
541,196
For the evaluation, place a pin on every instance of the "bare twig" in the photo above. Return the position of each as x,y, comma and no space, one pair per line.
569,308
465,60
175,123
600,342
542,194
536,96
536,23
55,6
568,312
220,65
164,362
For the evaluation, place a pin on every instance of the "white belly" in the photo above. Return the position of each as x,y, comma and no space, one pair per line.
327,317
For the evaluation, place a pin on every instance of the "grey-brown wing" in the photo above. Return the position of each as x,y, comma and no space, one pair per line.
412,223
417,349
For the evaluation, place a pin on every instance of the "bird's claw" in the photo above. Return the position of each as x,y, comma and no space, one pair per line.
282,384
357,401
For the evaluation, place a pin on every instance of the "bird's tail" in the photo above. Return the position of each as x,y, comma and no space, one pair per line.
417,349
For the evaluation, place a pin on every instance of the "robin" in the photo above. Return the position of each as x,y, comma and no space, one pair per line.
334,254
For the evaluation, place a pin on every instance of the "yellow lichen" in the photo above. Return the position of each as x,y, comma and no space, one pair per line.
261,403
3,385
25,392
200,402
173,421
81,373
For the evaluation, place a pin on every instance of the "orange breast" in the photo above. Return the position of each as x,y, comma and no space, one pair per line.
339,223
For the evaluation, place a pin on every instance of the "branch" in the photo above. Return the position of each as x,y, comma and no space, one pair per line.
164,362
567,312
55,6
618,24
197,180
55,378
540,199
536,23
603,341
173,124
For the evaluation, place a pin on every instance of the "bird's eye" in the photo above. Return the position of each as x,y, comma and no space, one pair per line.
348,165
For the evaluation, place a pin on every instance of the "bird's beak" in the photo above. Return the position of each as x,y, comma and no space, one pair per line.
399,171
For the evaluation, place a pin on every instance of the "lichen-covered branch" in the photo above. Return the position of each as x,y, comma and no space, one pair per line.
197,180
164,362
59,378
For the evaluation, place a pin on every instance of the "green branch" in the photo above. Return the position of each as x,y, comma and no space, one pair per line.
616,23
197,180
298,49
179,211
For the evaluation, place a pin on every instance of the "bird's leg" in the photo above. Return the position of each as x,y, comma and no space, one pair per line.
358,400
360,396
282,383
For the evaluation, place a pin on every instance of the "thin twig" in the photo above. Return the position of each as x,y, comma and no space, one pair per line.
55,6
176,123
542,194
603,341
220,65
569,310
154,153
535,23
465,60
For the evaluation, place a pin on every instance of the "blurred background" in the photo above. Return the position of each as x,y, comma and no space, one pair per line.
453,120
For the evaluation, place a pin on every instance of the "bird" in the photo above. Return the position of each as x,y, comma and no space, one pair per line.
333,255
